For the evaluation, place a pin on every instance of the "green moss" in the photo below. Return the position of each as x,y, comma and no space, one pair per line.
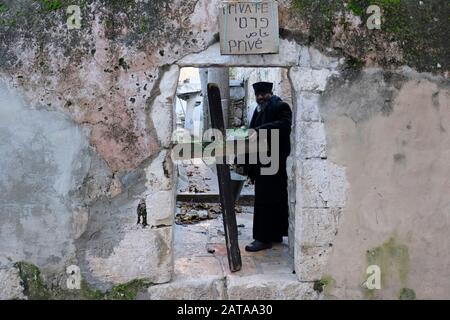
354,7
407,294
392,12
416,28
7,22
3,7
318,286
321,16
35,288
420,30
85,293
127,291
393,260
124,4
359,7
143,25
325,285
32,281
90,294
51,5
355,63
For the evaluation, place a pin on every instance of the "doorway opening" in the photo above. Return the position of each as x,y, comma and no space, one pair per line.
199,242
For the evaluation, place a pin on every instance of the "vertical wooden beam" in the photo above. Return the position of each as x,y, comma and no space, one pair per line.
223,174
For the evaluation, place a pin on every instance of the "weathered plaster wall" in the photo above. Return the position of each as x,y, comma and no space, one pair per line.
44,158
390,132
95,107
61,205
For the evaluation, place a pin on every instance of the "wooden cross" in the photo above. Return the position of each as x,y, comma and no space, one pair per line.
223,175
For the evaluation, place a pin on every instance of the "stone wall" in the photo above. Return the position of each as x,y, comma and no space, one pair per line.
393,142
87,116
62,205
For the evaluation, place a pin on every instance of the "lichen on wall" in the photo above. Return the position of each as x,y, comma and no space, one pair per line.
394,262
105,78
407,294
409,29
37,288
392,258
102,74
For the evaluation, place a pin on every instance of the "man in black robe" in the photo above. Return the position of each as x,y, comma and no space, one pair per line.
271,212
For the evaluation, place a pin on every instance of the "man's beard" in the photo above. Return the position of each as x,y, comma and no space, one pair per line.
263,105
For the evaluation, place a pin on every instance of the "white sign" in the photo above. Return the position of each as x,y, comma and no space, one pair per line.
248,27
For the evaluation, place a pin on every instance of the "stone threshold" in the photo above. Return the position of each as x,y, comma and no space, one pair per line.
234,287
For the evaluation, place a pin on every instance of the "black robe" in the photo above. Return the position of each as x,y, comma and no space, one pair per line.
271,213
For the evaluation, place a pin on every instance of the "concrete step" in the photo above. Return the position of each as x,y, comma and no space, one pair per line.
230,287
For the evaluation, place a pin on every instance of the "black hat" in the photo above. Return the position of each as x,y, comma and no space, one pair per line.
263,87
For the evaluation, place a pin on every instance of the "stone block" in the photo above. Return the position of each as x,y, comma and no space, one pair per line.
317,227
346,294
162,108
312,140
10,284
308,107
80,221
161,194
323,184
304,57
202,288
159,174
197,267
312,58
249,266
307,79
160,208
141,254
269,287
320,61
310,261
